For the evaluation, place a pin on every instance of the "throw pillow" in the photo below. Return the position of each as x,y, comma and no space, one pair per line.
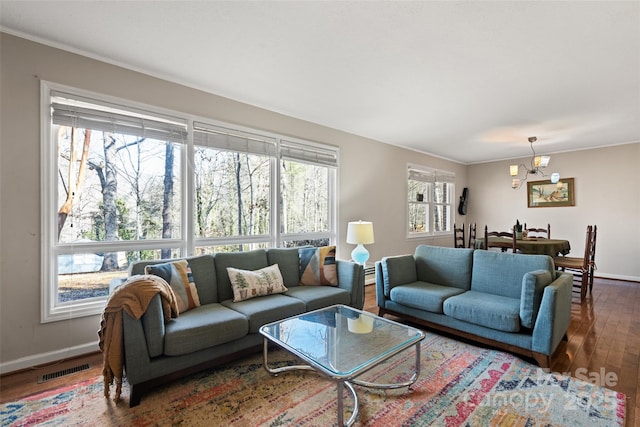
178,275
318,266
250,284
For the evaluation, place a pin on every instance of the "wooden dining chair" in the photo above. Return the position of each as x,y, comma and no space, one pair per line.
592,257
488,234
472,235
539,232
583,267
458,236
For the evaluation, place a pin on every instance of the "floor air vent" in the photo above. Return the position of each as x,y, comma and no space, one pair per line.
62,373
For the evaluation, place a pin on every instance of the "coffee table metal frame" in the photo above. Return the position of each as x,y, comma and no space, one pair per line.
348,378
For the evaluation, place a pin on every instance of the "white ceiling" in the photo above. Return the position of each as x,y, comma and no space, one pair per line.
468,81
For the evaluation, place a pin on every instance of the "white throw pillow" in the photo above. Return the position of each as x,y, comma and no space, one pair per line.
250,284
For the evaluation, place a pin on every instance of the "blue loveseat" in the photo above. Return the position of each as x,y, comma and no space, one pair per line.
512,301
220,330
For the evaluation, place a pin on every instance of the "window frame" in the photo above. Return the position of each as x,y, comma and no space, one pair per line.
431,177
187,243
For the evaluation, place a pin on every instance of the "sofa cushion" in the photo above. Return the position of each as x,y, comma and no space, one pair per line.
501,273
204,274
318,266
251,284
289,262
203,327
533,284
178,275
398,270
423,295
202,268
250,260
315,297
444,266
270,308
488,310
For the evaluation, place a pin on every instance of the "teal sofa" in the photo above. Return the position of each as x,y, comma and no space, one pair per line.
516,302
221,330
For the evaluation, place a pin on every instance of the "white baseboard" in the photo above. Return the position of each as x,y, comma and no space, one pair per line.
618,277
54,356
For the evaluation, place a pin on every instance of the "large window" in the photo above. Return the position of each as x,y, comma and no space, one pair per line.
307,189
123,183
429,201
233,181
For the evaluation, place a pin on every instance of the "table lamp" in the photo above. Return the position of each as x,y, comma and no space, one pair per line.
360,233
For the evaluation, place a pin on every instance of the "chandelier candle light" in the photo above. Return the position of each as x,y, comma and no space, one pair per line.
360,233
537,162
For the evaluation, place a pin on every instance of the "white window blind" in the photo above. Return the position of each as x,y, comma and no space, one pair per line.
448,177
233,140
66,111
431,175
308,153
422,175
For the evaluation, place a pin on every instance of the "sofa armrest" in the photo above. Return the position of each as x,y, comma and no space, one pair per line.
397,270
380,298
554,315
351,279
136,356
143,338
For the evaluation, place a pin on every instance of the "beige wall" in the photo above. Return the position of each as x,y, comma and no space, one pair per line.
371,187
371,183
607,194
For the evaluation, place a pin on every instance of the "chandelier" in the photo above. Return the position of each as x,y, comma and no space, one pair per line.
537,162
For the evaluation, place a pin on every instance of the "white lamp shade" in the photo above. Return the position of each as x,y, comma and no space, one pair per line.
360,232
542,161
513,170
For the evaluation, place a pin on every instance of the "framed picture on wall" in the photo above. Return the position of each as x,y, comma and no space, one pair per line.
545,194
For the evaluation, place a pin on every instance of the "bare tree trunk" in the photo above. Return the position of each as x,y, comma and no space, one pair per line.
167,202
74,183
252,204
199,210
284,200
239,191
109,192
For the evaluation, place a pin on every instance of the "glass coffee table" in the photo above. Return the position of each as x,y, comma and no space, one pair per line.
342,343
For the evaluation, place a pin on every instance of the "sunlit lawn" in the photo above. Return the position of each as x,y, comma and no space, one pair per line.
73,287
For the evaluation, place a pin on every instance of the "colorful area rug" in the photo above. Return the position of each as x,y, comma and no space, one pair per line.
459,385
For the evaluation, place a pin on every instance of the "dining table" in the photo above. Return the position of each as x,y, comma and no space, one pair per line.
530,245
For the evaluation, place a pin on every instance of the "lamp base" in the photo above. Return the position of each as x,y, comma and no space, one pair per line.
360,254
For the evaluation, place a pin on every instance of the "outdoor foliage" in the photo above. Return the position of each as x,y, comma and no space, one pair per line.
125,188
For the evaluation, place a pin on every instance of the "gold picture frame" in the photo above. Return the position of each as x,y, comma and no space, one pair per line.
544,194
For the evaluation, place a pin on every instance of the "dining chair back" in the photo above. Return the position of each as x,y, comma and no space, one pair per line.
488,244
472,235
592,256
458,236
538,232
583,267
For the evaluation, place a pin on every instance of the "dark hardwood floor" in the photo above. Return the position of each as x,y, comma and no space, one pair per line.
603,346
604,340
